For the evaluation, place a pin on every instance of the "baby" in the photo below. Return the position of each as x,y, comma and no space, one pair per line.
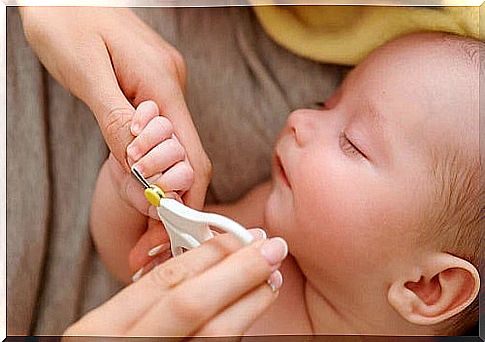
377,195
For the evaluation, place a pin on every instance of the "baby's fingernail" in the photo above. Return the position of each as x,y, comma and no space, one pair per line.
135,128
274,250
275,280
132,152
138,168
137,275
158,249
258,233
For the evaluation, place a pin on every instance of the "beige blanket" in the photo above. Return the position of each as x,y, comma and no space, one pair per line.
241,87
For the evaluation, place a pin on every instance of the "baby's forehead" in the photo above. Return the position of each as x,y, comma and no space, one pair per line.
422,82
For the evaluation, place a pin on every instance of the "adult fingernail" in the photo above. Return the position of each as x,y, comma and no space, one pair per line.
158,249
258,233
137,275
275,280
274,250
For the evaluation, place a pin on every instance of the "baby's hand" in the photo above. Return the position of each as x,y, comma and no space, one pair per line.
156,152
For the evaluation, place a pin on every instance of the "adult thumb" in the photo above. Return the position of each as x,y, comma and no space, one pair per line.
114,119
112,111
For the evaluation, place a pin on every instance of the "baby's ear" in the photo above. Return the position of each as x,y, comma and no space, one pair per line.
443,286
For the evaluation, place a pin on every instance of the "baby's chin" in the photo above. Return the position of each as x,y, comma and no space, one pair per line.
275,221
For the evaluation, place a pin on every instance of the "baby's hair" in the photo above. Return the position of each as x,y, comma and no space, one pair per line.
460,197
457,224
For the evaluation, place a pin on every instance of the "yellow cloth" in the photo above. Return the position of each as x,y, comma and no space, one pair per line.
346,34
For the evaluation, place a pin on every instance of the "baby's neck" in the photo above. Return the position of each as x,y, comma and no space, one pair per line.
325,317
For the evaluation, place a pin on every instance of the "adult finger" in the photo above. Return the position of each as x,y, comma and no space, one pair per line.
153,242
155,261
127,307
195,301
237,318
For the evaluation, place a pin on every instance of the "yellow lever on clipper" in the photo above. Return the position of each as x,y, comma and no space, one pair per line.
187,228
152,192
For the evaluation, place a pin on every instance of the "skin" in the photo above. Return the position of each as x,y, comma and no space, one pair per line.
351,207
86,49
351,186
172,299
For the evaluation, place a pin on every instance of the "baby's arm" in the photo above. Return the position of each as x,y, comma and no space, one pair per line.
116,226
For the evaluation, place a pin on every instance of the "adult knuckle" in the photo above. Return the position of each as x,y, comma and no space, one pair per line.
254,262
206,167
180,65
173,62
116,120
168,62
168,275
185,307
177,60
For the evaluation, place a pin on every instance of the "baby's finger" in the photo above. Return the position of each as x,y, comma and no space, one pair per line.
132,191
156,131
237,318
179,177
153,242
160,158
145,111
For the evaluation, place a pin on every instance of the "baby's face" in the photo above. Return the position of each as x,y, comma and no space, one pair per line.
353,181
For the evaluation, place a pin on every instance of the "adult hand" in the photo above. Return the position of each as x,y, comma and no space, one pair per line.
113,61
218,288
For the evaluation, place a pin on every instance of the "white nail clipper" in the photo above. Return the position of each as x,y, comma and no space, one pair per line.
187,228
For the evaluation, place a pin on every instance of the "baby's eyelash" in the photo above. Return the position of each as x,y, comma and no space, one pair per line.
348,147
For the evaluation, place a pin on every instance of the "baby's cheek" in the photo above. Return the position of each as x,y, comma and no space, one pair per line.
327,233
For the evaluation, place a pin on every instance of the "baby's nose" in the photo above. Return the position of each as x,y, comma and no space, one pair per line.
301,123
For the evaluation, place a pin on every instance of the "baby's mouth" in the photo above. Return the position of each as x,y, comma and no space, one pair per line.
281,171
